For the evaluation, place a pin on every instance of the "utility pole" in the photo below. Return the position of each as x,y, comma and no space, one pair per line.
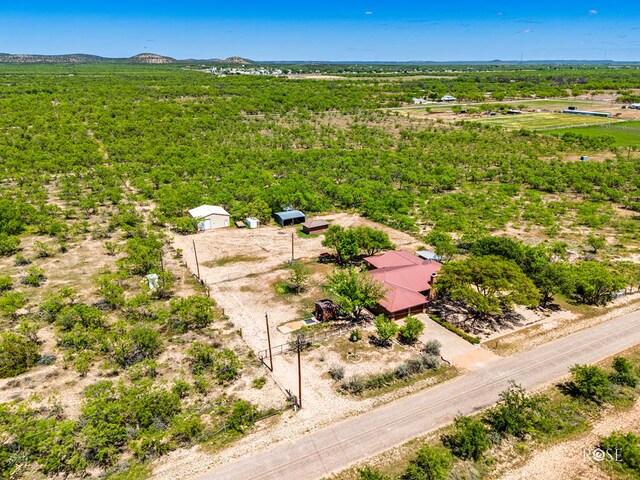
195,253
292,252
299,375
266,317
161,262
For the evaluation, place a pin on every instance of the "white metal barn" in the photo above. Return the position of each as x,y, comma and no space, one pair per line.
210,216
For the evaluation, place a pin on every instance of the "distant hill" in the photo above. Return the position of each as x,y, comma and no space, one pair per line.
141,58
151,58
70,58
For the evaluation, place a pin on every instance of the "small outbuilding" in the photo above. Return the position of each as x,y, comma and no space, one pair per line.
448,98
289,217
252,222
210,216
314,226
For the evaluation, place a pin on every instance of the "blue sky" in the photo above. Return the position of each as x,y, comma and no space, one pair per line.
327,30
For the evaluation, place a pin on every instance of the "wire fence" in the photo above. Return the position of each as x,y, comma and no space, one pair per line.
320,337
577,125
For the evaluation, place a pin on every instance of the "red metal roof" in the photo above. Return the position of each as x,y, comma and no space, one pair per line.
404,276
394,259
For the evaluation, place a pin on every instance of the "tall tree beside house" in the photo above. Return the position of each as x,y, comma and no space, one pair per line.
348,243
355,290
487,284
343,241
371,241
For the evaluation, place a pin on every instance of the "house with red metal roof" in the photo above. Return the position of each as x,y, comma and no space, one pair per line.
407,279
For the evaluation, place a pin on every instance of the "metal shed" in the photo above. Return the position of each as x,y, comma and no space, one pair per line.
314,226
290,217
210,216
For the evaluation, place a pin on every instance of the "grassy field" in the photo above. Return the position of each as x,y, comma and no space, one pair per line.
542,121
627,134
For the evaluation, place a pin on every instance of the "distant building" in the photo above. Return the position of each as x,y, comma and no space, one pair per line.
314,226
587,113
210,216
512,111
420,101
448,98
407,280
289,217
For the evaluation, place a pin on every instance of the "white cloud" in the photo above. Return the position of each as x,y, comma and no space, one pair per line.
368,12
593,12
526,30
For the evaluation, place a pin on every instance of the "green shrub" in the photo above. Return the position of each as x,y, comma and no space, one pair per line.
143,254
224,364
259,382
192,313
82,362
110,291
43,250
50,442
590,382
201,385
17,354
430,463
410,332
146,368
34,276
627,448
201,357
370,473
624,373
186,428
469,439
385,329
135,345
21,260
5,283
516,413
114,415
185,225
151,445
242,415
11,302
180,388
8,244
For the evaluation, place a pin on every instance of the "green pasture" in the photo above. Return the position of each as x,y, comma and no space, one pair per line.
626,134
543,121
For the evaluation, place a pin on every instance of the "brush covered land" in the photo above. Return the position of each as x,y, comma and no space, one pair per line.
99,163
